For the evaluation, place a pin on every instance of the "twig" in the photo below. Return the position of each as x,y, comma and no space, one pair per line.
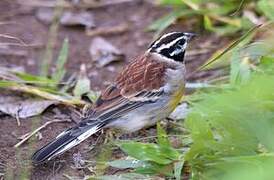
18,117
108,31
238,9
7,22
14,38
21,45
39,129
8,52
68,177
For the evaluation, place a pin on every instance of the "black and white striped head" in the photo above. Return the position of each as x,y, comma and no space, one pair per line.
171,45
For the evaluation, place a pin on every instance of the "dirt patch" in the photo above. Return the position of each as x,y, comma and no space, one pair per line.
24,25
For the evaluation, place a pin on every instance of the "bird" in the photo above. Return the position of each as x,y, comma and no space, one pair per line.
147,90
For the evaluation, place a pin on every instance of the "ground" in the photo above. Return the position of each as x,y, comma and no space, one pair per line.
22,23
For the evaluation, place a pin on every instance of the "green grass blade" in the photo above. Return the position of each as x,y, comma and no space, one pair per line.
230,47
60,71
47,58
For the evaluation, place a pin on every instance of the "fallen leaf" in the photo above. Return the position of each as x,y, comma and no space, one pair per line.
18,107
83,83
68,18
103,52
180,112
104,31
74,19
13,52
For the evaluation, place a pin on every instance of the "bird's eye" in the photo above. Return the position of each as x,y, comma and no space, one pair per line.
181,43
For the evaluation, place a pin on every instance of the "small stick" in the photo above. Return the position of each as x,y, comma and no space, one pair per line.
107,31
18,117
4,44
38,129
20,41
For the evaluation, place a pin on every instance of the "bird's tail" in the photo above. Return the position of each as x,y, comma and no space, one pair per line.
66,140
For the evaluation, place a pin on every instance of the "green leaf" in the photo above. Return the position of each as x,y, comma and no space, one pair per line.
30,77
232,129
124,176
207,23
82,87
171,2
178,166
267,7
52,37
60,71
127,163
222,9
6,84
154,168
83,84
240,69
93,95
243,60
162,138
242,167
164,22
266,64
102,159
230,47
150,152
35,79
25,78
231,26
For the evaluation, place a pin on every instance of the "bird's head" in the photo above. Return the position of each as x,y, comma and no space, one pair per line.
171,45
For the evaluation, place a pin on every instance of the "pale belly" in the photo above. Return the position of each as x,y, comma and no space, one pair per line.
148,114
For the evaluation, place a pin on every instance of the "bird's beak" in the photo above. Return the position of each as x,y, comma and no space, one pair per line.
190,36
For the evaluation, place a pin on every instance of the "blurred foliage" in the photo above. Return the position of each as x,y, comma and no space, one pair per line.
245,55
152,158
52,87
231,129
220,16
60,71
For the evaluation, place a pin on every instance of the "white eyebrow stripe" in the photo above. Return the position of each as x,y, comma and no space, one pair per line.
164,46
164,36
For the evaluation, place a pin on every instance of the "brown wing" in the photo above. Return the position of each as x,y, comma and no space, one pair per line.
143,74
141,78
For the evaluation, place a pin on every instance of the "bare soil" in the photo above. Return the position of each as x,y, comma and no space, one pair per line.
23,24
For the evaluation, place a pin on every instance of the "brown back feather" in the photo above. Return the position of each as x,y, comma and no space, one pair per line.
143,74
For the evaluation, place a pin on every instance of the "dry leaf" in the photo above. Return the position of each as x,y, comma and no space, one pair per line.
74,19
180,112
67,18
104,52
18,107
